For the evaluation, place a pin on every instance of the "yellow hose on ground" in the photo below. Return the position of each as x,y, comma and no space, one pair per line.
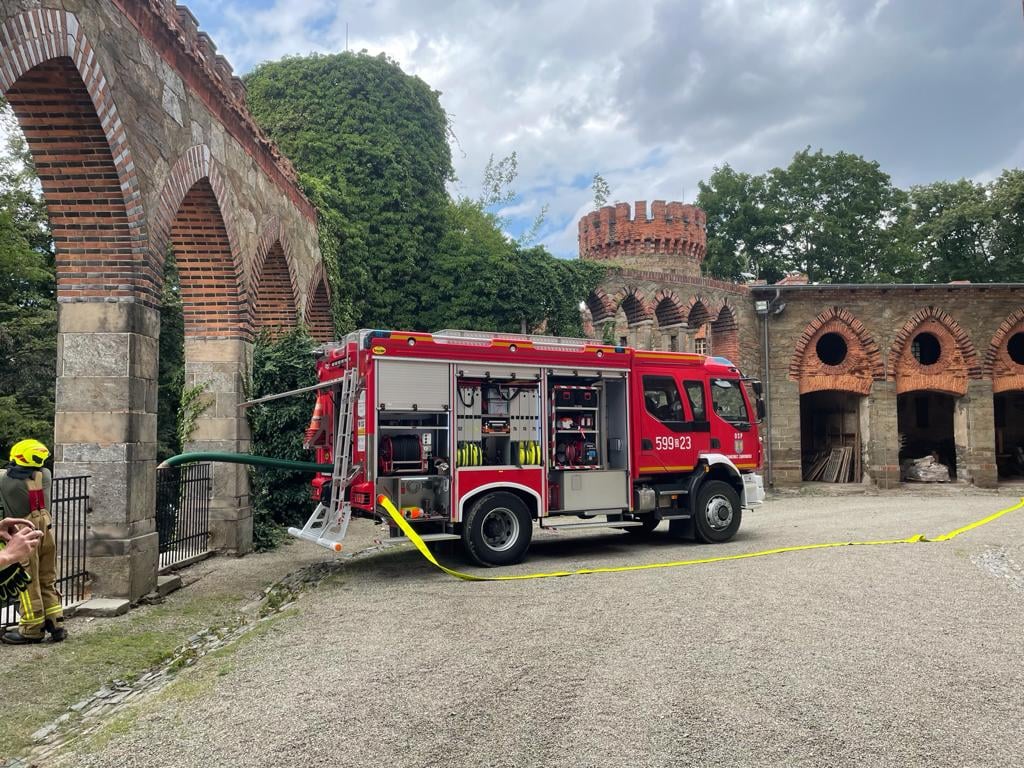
919,538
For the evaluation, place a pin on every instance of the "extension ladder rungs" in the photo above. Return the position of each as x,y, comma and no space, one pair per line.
591,524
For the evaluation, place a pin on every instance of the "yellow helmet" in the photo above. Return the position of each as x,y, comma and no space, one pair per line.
29,453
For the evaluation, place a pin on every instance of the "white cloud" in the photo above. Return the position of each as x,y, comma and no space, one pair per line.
654,95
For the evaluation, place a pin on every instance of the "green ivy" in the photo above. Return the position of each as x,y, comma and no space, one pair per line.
280,498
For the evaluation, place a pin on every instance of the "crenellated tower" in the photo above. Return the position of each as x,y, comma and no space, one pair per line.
673,239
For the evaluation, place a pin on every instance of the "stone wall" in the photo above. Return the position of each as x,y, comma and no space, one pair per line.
879,325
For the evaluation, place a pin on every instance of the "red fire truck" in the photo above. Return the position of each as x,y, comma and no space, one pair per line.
478,436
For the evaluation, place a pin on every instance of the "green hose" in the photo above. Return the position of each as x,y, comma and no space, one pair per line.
246,458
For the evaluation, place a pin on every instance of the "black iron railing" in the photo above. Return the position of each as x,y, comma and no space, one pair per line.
69,501
183,513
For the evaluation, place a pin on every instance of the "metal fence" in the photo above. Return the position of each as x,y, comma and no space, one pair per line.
183,513
69,502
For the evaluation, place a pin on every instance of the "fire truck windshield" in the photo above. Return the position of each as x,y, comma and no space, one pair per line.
728,401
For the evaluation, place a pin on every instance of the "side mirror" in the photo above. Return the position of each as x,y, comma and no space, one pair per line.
759,405
757,387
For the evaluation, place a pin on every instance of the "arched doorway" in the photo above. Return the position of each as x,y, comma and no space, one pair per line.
194,222
318,312
831,429
725,340
932,359
1005,363
835,363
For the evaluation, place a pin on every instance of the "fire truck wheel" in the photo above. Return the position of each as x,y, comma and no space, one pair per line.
647,526
716,516
497,530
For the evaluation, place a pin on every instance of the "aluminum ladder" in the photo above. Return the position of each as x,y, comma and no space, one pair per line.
329,522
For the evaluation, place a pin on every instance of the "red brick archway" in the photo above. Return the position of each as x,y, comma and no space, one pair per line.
51,77
815,368
697,313
956,360
600,305
318,307
192,218
636,307
668,309
273,282
725,339
1007,374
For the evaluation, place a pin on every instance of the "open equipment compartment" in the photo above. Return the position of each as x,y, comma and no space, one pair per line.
588,454
497,422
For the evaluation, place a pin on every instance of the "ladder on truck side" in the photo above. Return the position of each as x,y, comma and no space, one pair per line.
329,522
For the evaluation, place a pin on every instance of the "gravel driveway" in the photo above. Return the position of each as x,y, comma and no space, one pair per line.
880,656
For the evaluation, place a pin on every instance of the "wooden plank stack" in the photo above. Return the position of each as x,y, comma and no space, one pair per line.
835,466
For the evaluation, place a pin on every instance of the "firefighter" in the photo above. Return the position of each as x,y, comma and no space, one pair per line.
25,493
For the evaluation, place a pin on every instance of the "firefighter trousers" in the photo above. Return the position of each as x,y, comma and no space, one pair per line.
40,601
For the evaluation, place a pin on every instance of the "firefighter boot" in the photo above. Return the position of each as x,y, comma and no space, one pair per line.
14,637
56,629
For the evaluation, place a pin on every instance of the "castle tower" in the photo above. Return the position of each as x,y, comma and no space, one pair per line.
672,240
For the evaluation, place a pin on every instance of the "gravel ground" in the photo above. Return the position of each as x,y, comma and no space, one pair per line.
881,656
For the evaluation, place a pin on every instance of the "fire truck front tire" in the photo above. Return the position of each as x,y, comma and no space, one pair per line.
717,513
497,530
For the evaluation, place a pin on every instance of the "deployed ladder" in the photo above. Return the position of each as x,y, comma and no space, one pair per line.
329,522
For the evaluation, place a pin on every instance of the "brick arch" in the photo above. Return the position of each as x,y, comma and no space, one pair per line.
636,307
193,215
958,360
318,317
50,75
273,280
1006,374
725,337
600,305
697,313
667,308
862,365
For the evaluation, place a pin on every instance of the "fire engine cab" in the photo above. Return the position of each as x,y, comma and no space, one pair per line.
480,436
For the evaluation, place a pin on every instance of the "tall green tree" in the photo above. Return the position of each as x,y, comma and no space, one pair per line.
744,228
371,143
838,218
28,307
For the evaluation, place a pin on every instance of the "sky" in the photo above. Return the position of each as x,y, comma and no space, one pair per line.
654,96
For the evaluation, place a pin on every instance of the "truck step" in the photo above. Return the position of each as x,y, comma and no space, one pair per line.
431,537
591,524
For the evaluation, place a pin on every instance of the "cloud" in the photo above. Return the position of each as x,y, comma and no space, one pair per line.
654,95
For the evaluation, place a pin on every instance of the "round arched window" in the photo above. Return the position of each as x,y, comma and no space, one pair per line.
831,348
926,348
1015,347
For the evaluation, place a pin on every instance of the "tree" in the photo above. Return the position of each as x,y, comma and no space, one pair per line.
601,191
371,144
838,218
840,214
743,230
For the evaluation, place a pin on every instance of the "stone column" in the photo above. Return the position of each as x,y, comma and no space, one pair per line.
219,366
641,333
974,432
785,437
105,427
883,449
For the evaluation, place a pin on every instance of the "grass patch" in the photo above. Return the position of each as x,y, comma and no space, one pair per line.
45,680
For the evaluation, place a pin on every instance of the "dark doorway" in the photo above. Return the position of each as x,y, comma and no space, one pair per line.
925,424
1009,412
830,438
